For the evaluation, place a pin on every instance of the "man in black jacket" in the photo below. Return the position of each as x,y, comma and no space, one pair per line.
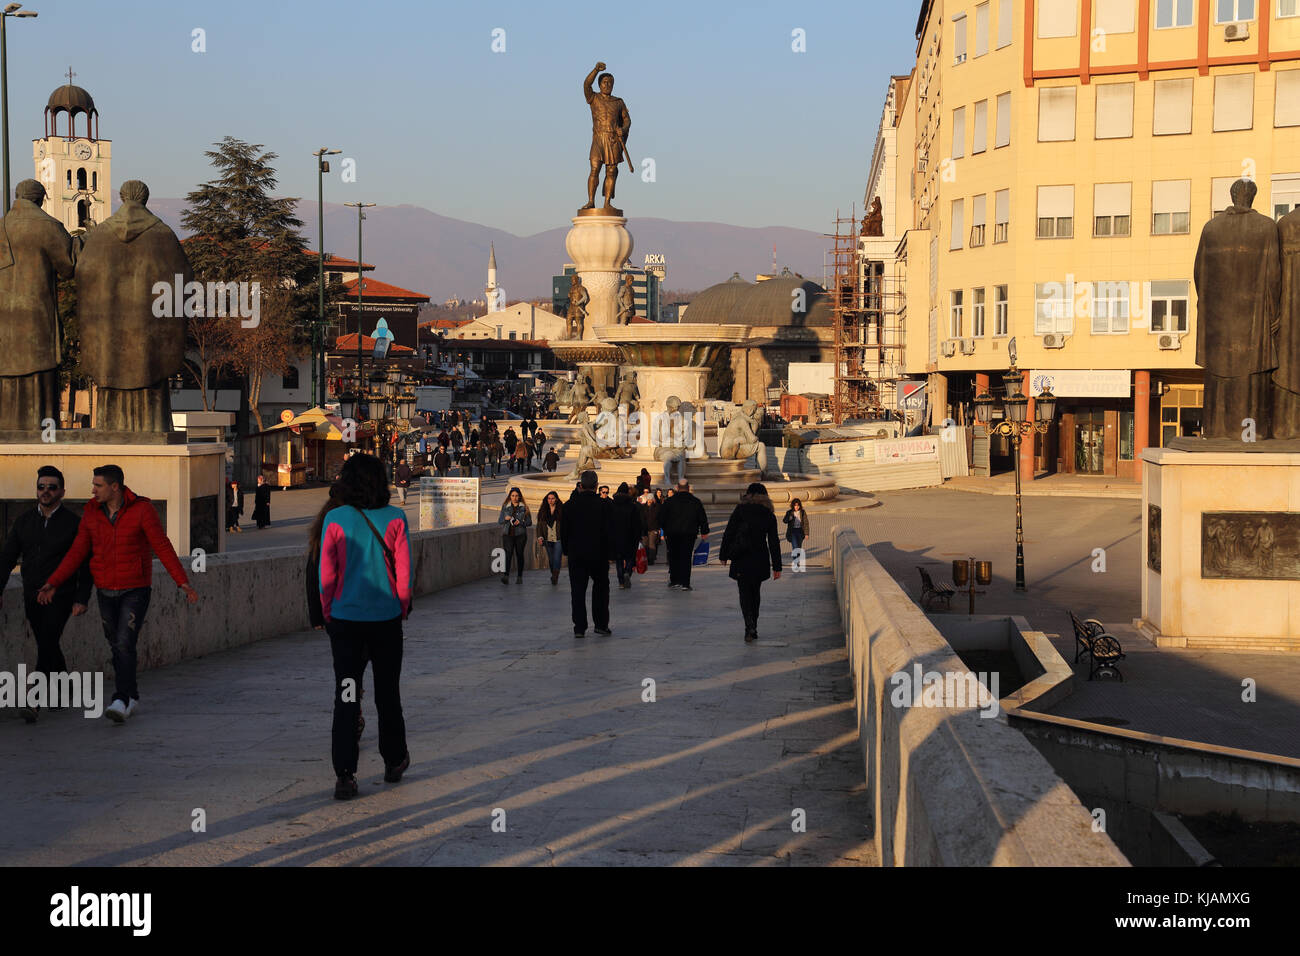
587,539
682,517
39,539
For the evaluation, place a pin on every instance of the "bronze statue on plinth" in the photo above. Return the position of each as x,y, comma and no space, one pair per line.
610,123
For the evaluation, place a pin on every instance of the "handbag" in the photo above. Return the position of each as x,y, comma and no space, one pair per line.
641,562
701,555
390,559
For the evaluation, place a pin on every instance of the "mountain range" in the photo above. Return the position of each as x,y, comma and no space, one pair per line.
442,257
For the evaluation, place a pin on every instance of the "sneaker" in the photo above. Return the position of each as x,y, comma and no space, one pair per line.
685,587
346,787
116,711
674,587
28,714
604,631
579,633
132,706
394,773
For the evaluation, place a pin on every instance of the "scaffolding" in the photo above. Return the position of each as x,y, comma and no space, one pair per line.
867,305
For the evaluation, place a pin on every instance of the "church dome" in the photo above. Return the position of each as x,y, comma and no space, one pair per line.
771,302
72,99
713,306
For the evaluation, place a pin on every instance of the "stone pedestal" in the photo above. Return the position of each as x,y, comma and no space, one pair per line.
186,479
599,246
1221,548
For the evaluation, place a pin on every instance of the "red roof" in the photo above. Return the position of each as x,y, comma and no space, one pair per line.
382,290
337,262
445,323
348,343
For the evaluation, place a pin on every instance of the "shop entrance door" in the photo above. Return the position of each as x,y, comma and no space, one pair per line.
1089,437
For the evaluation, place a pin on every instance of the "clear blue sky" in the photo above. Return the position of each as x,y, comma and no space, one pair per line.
740,127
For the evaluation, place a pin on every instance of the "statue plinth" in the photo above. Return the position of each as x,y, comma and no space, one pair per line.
599,246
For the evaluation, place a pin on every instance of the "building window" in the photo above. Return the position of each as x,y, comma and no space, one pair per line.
955,316
1286,102
1234,102
1055,212
1056,114
1181,410
958,132
1127,435
959,39
1051,309
980,136
1001,215
958,210
1056,18
81,177
513,335
977,312
1171,207
1003,135
1116,16
1286,193
977,220
1114,111
1109,307
289,380
1234,11
1169,306
1006,22
1112,209
1000,315
981,29
1288,8
1173,13
1173,108
1220,194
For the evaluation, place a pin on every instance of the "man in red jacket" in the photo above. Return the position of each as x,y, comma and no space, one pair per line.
120,533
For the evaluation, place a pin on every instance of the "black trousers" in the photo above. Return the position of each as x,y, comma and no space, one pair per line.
680,549
48,621
749,600
514,546
580,571
353,642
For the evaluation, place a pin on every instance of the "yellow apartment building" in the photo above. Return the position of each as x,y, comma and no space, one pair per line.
1064,156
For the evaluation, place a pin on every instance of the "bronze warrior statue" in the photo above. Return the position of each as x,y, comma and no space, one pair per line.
126,348
35,251
610,123
1238,286
578,299
626,301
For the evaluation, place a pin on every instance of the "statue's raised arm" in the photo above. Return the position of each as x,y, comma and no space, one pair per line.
588,92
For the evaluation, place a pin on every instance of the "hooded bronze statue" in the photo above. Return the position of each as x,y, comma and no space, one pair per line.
1286,380
1238,286
128,351
35,251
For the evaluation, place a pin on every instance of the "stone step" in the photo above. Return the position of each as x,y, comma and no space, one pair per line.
1245,644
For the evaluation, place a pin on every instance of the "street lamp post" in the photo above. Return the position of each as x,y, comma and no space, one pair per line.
1015,425
361,282
318,332
12,10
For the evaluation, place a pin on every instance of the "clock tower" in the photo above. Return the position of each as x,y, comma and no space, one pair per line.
74,169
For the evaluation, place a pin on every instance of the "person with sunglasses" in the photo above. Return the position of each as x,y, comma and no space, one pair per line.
39,540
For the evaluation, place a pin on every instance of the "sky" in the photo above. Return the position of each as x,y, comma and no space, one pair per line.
740,127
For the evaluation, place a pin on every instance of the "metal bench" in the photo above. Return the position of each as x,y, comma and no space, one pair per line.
1092,641
930,591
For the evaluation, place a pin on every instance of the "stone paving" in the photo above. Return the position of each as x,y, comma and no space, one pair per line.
504,709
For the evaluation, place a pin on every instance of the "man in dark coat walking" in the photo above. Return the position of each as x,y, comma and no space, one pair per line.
262,503
752,546
682,517
628,529
38,540
587,539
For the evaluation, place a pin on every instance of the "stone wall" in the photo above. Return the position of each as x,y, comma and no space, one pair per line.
949,787
244,596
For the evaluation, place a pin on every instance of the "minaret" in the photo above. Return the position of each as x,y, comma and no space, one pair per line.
491,292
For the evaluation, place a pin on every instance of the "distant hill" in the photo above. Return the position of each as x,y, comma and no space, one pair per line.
443,257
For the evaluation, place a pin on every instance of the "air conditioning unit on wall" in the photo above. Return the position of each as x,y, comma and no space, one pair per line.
967,346
1170,341
948,347
1237,31
1055,340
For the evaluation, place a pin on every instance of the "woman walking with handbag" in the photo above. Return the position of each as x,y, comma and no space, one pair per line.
365,594
515,520
549,516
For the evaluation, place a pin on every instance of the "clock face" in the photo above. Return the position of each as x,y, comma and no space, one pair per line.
83,151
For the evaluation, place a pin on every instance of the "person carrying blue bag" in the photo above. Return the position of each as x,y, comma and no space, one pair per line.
682,517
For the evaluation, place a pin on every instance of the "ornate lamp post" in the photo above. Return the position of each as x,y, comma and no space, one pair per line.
318,331
1015,425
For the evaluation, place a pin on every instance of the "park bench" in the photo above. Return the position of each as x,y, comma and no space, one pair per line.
930,591
1092,641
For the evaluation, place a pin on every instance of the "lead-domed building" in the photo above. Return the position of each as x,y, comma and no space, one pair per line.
76,170
790,318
